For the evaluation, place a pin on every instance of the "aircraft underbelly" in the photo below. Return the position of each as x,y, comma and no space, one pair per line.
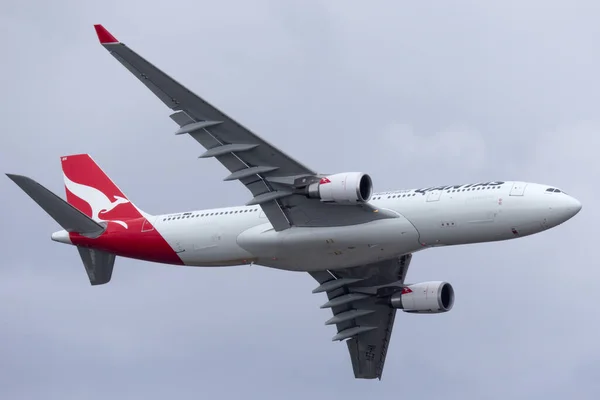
319,248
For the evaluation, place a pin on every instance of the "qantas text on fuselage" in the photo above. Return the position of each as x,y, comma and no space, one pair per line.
470,186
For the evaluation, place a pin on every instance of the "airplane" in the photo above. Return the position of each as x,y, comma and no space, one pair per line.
356,243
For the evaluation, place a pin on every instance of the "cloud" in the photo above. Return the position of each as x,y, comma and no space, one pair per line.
459,147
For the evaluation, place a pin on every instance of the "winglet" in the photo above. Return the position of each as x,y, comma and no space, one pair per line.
104,36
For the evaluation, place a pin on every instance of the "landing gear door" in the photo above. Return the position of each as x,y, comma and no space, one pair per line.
518,189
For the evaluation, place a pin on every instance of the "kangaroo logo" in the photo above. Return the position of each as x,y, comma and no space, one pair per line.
98,201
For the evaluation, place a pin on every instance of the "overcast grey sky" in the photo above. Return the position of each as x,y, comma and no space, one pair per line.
414,94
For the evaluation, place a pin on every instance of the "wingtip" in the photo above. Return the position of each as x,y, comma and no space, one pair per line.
104,36
15,177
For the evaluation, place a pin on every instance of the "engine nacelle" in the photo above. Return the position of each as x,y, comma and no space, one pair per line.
425,297
344,188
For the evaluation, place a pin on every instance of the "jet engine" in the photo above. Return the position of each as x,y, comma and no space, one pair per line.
424,298
344,188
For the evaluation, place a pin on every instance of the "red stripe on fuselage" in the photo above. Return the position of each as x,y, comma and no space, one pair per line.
131,242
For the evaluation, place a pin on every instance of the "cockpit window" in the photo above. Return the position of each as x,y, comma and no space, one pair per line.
554,190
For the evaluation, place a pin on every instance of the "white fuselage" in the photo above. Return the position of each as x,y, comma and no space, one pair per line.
426,218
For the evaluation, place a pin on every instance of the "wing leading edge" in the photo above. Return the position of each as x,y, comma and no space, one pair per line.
357,314
271,175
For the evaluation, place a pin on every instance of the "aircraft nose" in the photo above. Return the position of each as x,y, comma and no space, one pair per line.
574,206
568,208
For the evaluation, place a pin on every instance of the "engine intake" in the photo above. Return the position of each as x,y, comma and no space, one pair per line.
425,298
344,188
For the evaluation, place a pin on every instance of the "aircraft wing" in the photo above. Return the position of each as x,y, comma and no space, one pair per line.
269,174
355,296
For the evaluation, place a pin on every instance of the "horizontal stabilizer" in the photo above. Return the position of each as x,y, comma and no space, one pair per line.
98,265
67,216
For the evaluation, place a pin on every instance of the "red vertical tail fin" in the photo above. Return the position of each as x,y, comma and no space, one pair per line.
92,192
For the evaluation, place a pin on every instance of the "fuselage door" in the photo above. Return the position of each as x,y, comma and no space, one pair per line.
518,189
434,195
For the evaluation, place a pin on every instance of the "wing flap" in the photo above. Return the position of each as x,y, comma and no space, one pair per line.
351,332
347,316
226,149
334,284
196,126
